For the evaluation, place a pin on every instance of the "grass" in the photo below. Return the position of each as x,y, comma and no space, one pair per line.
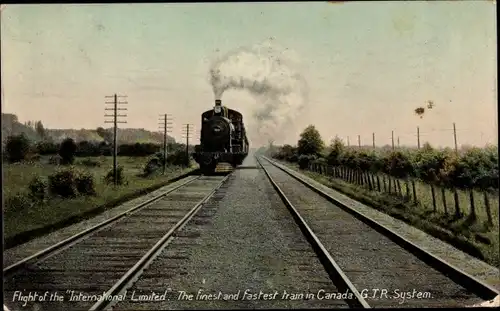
469,235
28,221
424,197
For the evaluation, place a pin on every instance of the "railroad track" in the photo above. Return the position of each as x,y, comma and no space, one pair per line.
222,264
105,259
128,255
374,265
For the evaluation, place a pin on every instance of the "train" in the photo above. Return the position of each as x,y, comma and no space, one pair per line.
223,138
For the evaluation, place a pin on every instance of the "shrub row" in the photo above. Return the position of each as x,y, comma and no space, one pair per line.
68,183
19,148
176,158
470,168
64,183
93,149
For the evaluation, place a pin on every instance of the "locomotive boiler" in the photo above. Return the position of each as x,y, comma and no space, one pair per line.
223,138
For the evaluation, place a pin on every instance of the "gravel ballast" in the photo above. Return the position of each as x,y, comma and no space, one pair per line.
244,240
471,265
371,260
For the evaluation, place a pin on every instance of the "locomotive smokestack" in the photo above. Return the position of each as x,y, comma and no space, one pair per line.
218,102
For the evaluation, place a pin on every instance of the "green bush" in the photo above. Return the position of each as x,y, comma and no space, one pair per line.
67,151
177,158
87,149
470,168
120,176
335,152
159,156
18,201
62,183
90,163
33,157
17,147
47,147
138,149
84,183
55,160
304,161
398,165
151,167
38,188
294,158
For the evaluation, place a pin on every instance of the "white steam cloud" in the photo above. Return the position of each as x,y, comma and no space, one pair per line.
270,74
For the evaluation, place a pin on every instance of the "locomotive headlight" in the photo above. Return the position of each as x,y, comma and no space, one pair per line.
217,109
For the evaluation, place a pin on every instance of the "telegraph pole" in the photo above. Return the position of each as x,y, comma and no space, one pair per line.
455,137
187,132
115,122
418,137
392,139
165,128
359,141
398,141
373,140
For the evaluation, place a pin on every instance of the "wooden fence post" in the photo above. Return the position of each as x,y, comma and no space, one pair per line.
407,185
443,195
414,191
433,193
457,203
488,210
472,205
399,188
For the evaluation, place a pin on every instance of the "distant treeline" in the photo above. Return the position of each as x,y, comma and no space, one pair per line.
92,149
19,146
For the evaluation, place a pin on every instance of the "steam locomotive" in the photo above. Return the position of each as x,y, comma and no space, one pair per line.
223,138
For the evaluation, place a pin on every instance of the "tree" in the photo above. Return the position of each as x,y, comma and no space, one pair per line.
398,165
40,129
47,147
287,151
106,135
310,141
17,147
29,124
336,150
67,151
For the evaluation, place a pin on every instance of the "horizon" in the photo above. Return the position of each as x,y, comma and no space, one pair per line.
368,66
294,144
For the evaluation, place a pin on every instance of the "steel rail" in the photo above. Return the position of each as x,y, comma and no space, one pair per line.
134,273
336,274
76,237
471,283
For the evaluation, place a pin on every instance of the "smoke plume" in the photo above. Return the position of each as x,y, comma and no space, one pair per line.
270,74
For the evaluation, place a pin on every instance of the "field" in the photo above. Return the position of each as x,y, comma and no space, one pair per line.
22,216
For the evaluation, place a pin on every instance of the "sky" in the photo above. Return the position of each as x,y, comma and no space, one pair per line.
367,65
